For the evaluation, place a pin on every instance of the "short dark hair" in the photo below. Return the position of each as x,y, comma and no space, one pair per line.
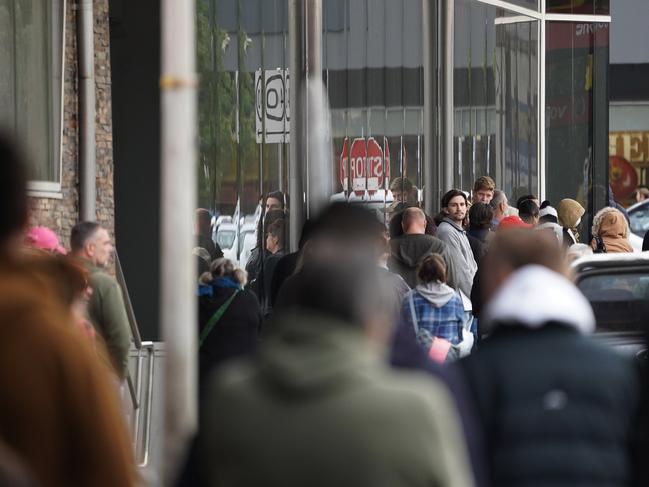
452,194
528,208
523,198
80,234
432,268
279,196
13,189
480,215
277,230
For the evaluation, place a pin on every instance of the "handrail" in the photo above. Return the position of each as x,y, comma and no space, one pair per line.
135,331
149,346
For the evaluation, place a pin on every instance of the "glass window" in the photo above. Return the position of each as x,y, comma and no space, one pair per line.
495,98
372,57
30,80
596,7
577,116
618,300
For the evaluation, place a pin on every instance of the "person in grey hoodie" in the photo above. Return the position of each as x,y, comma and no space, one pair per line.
409,250
451,232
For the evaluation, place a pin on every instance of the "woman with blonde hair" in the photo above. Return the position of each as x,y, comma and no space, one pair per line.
610,232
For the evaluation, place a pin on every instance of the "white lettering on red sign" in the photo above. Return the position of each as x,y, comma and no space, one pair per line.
374,166
358,156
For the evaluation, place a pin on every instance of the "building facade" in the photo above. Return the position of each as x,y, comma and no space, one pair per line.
39,104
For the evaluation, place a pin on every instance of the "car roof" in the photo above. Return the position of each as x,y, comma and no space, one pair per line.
612,260
635,206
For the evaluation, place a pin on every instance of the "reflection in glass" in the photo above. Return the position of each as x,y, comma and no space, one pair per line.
495,98
577,115
597,7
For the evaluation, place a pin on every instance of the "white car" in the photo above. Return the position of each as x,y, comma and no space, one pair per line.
226,237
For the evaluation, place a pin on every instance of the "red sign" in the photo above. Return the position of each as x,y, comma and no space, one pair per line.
622,177
374,166
576,35
386,165
343,166
357,160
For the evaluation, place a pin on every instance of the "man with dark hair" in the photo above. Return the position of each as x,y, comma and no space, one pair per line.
452,233
91,244
410,249
528,210
58,412
316,406
551,401
203,232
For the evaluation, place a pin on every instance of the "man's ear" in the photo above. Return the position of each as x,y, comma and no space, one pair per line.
89,248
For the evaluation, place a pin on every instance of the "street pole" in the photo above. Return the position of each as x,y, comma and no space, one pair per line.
432,160
297,154
178,301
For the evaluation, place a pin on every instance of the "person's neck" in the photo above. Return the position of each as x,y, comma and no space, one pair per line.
414,231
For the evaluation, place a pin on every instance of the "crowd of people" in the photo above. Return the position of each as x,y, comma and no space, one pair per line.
448,349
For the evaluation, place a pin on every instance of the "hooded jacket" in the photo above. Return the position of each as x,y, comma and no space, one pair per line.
318,408
556,408
611,226
569,213
409,250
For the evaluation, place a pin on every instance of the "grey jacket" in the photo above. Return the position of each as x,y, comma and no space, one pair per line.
465,265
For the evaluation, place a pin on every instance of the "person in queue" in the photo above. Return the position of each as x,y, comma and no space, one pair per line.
479,230
318,406
528,211
91,244
569,214
410,249
552,402
229,317
500,208
273,209
483,190
610,232
203,233
58,413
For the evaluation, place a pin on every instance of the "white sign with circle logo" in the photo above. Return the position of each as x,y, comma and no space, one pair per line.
272,120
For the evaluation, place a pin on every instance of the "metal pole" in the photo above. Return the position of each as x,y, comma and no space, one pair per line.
87,143
431,177
447,95
298,118
178,303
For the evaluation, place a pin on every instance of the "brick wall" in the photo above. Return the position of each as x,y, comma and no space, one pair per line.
62,214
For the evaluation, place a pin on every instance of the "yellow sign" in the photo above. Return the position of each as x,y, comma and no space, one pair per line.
633,146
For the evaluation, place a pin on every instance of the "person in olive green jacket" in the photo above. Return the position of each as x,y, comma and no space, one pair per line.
91,243
319,406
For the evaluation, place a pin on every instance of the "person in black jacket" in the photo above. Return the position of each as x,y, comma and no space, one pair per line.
556,408
203,233
237,330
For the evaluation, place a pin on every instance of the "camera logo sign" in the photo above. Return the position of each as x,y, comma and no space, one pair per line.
272,109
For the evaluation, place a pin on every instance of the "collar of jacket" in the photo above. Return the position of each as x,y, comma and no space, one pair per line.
307,352
453,224
533,296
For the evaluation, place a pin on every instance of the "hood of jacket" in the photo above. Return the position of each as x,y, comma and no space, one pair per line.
534,296
437,293
611,226
306,353
569,212
410,250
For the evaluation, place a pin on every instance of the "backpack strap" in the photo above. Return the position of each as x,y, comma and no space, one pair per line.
413,315
215,318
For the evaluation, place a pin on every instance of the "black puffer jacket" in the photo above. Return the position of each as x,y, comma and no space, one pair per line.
556,408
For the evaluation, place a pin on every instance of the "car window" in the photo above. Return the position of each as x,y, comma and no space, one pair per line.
619,301
225,238
640,220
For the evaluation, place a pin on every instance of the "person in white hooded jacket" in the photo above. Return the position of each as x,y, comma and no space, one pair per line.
556,408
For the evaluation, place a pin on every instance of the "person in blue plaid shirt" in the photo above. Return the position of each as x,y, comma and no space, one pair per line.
433,309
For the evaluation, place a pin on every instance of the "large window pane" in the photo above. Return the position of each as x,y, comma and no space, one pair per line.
495,98
577,115
30,80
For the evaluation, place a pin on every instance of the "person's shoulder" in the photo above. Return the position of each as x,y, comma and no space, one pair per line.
232,379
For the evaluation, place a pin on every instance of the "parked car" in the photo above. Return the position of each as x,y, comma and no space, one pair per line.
639,217
617,287
226,237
